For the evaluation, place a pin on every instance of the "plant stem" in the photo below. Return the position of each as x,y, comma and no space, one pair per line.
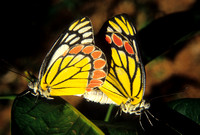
8,97
107,118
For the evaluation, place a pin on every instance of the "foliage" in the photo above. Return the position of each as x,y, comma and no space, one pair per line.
187,107
42,116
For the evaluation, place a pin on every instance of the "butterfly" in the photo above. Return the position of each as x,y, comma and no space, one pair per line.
74,65
125,82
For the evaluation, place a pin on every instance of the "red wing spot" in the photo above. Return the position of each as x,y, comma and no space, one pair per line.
117,40
88,89
128,48
99,63
88,49
96,54
97,74
108,39
95,83
76,49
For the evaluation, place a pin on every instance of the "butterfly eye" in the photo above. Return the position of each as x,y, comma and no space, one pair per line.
30,85
146,105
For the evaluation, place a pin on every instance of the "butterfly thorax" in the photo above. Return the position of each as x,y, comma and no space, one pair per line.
136,109
37,90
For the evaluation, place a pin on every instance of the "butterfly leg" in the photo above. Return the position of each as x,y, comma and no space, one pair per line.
148,118
140,121
24,93
152,115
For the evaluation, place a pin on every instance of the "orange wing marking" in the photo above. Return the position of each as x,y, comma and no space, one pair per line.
98,74
117,40
95,83
99,63
76,49
88,49
96,54
108,39
128,47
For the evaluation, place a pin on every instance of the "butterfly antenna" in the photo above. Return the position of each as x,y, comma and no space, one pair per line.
120,112
166,95
20,74
8,67
148,118
24,93
116,114
37,96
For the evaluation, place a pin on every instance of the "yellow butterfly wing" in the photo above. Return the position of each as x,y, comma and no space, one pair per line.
126,78
74,65
76,71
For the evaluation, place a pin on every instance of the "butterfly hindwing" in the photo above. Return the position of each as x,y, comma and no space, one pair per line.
79,69
126,77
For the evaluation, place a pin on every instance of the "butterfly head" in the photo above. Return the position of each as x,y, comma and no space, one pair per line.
37,90
136,109
34,87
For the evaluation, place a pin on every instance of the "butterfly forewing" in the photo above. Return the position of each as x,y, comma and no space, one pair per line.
79,32
126,77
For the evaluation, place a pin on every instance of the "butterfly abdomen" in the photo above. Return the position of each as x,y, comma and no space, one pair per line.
98,97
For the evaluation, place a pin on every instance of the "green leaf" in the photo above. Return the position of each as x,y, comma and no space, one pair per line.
188,107
167,32
119,128
43,116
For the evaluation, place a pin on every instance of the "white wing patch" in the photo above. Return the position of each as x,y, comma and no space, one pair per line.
74,40
84,29
58,53
109,29
85,41
87,34
70,37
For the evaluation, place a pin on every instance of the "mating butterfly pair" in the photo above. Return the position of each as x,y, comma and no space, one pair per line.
75,66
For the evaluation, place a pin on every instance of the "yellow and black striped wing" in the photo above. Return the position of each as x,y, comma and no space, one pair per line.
78,70
126,77
79,32
74,65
